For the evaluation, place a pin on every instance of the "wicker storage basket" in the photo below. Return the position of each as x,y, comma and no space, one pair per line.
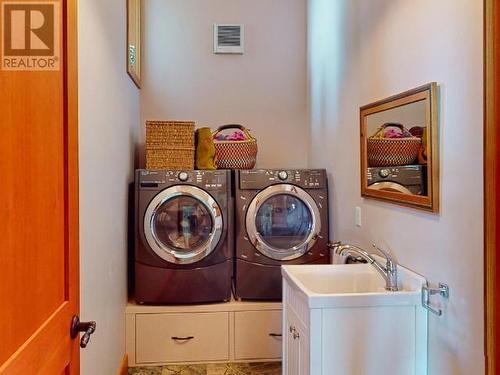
235,154
170,145
385,152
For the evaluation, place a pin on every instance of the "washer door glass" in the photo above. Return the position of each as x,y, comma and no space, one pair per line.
182,223
284,221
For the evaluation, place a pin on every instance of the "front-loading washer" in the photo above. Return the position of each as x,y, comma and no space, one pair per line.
184,236
281,218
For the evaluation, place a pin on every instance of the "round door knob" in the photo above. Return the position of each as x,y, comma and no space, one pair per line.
183,176
384,173
282,175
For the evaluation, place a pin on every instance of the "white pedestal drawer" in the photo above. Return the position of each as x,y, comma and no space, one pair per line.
257,335
225,332
201,337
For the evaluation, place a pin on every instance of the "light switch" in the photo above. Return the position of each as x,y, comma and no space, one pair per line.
357,216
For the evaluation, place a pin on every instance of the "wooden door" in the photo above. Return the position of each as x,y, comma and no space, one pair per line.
39,191
492,185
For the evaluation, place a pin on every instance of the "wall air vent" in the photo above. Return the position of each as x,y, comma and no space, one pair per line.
228,38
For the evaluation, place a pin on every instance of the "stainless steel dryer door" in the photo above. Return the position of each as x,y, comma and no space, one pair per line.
283,222
183,224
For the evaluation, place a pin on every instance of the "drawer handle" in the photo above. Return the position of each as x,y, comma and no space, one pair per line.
275,335
187,338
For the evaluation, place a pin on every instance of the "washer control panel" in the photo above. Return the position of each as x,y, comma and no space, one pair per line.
208,180
405,175
261,178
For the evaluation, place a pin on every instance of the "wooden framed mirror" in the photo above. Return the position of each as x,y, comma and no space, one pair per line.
134,41
399,149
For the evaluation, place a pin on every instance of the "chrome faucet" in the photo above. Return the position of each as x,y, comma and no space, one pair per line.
389,272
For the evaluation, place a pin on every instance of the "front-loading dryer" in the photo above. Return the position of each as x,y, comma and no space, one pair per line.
184,236
281,218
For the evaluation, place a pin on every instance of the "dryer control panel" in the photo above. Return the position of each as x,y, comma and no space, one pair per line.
256,179
208,180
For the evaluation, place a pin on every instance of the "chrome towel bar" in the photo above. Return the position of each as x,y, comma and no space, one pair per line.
443,290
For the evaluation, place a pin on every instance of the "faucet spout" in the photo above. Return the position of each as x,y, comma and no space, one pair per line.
389,272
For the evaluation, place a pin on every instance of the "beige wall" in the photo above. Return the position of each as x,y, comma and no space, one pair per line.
264,89
109,117
361,51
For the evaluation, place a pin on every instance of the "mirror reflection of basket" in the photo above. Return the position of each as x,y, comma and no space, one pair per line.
235,154
385,152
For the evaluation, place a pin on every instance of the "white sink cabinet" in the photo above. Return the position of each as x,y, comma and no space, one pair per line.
340,320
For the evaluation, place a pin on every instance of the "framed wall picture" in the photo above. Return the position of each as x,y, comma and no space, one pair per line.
134,41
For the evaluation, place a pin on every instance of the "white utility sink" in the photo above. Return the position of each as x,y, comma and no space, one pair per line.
352,285
340,320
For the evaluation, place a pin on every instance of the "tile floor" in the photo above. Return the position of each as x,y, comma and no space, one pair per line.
214,369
